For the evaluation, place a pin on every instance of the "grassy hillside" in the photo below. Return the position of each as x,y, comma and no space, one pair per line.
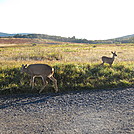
7,34
77,66
124,39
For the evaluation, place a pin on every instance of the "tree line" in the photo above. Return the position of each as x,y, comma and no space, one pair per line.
74,39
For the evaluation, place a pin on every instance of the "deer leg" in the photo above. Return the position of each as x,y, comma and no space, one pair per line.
44,84
55,83
102,64
110,65
32,82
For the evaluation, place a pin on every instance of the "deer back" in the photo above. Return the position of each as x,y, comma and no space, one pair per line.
39,69
107,59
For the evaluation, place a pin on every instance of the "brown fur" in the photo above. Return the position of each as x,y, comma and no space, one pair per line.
108,59
40,70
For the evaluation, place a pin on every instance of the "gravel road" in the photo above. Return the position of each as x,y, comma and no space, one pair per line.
79,112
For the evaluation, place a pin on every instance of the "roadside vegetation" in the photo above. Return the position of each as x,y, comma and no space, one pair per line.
77,66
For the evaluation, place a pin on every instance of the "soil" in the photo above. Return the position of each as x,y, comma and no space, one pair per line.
79,112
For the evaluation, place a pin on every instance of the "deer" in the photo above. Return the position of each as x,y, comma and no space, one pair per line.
109,60
40,70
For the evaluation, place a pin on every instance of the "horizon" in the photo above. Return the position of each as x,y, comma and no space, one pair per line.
67,37
84,19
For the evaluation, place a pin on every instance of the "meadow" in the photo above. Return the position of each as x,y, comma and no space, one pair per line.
77,66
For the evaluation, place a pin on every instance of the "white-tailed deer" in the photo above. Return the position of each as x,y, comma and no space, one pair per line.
40,70
108,59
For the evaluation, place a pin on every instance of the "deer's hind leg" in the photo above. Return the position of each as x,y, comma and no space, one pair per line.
44,83
55,83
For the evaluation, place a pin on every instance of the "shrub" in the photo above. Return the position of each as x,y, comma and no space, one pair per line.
70,77
34,44
54,56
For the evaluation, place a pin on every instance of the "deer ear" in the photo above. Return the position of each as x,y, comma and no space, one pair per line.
24,65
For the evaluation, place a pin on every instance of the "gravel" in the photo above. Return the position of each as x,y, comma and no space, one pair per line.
79,112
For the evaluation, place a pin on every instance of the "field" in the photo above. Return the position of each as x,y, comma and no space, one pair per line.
77,66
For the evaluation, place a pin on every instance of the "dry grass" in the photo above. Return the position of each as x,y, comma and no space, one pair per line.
63,53
76,65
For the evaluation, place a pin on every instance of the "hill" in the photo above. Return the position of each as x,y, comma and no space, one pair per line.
7,34
124,39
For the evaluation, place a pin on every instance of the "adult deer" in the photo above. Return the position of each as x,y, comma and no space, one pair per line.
109,60
40,70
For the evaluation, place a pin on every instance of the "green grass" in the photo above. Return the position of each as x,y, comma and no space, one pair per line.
70,77
77,66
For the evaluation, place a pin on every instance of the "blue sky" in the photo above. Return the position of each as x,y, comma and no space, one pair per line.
90,19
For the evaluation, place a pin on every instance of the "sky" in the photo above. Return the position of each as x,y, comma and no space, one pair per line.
84,19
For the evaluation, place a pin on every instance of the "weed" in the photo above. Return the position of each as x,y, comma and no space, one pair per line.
76,66
54,56
72,77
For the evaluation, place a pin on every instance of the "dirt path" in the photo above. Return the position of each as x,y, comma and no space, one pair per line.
86,112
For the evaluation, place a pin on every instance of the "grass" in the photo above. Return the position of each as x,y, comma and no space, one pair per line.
77,66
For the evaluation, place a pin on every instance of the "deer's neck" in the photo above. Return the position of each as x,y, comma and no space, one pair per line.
113,57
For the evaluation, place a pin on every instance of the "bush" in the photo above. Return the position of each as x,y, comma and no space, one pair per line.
54,56
70,77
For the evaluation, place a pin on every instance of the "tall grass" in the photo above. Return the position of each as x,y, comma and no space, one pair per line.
82,53
77,66
70,77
